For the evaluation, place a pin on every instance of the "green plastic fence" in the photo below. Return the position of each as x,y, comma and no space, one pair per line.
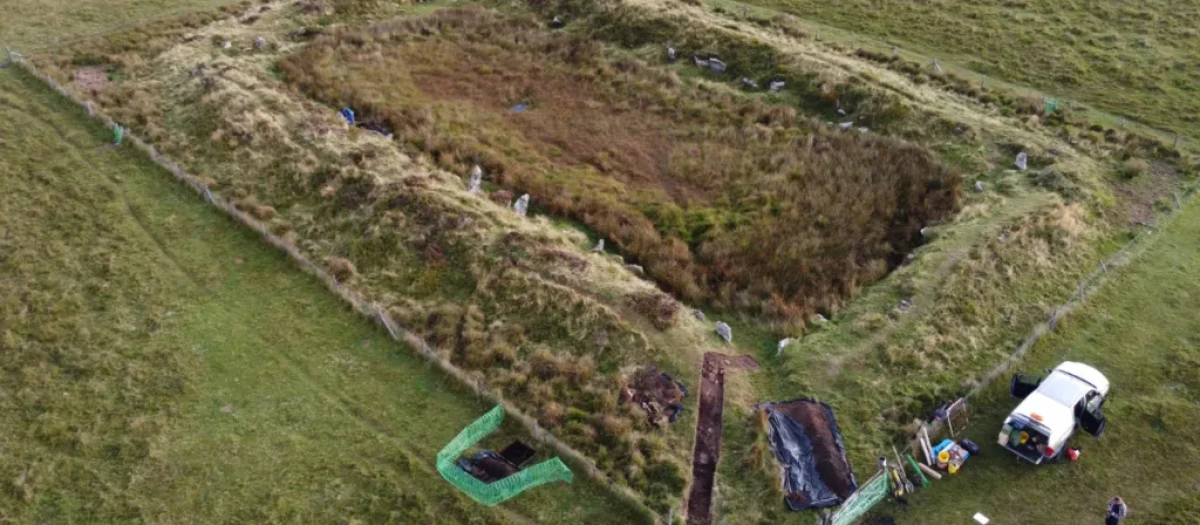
870,493
492,493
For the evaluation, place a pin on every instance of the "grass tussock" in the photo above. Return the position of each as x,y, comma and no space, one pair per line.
722,198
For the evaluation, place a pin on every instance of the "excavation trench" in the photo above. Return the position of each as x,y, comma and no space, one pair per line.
708,432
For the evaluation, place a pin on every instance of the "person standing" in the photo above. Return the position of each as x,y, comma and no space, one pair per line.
1116,511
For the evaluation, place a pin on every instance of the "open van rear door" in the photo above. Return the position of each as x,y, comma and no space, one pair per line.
1092,422
1023,385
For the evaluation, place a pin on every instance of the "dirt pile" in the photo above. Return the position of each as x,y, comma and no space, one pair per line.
656,393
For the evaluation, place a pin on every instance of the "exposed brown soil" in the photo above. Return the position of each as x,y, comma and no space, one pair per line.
91,79
720,198
708,432
1136,198
831,466
654,393
569,115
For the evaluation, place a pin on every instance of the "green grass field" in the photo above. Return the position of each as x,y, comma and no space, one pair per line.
1142,332
1074,49
159,363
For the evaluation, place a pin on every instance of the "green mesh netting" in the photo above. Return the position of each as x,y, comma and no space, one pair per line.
492,493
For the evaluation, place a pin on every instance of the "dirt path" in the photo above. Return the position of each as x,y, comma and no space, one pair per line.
708,432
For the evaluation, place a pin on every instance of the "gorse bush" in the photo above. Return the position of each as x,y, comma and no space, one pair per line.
721,197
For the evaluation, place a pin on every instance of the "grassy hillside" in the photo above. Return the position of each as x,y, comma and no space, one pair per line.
28,25
159,363
1075,49
1141,331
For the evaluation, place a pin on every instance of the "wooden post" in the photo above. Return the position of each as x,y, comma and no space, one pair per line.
932,473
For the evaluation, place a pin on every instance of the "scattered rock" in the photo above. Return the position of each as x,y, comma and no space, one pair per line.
725,331
227,409
226,45
716,65
979,186
749,83
260,43
476,179
522,205
905,306
777,85
1022,161
636,269
783,343
599,247
698,315
671,54
818,319
846,125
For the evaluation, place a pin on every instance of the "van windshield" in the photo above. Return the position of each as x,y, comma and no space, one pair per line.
1063,388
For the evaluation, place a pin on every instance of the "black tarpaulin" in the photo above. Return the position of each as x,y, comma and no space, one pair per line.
808,445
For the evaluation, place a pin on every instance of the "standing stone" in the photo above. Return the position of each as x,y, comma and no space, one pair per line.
1022,161
599,246
671,53
522,205
783,344
476,179
725,331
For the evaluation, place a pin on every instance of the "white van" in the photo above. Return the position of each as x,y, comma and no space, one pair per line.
1070,397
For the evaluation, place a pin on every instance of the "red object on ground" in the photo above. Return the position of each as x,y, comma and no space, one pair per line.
1073,454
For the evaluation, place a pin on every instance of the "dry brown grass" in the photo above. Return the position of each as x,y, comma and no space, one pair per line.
720,197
